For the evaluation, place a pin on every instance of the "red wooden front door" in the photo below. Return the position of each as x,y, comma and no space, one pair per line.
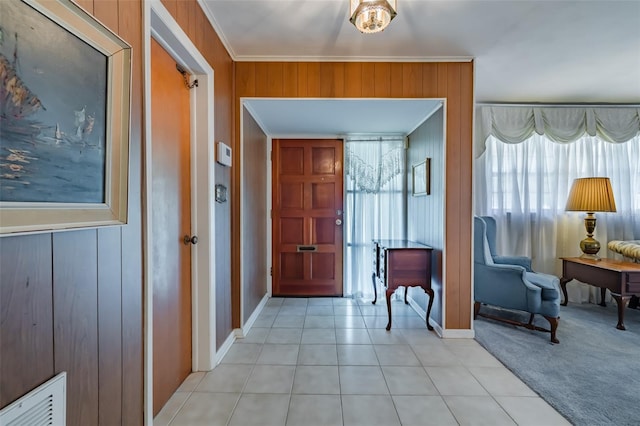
307,217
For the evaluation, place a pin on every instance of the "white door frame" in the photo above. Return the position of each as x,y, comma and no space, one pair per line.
159,24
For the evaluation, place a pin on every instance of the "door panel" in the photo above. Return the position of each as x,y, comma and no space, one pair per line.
307,201
170,221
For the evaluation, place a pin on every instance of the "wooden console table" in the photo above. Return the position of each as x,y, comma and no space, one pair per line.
402,263
621,278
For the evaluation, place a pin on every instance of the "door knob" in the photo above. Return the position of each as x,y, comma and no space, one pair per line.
338,222
187,239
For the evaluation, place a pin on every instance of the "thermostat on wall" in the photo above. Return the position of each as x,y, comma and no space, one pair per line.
223,155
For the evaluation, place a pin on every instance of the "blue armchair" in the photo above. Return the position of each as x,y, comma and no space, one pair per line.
511,286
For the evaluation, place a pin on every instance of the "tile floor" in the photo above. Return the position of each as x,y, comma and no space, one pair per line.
330,361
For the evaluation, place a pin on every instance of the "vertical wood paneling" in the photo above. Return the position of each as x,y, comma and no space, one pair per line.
453,234
428,80
313,80
26,315
368,80
171,6
412,80
466,175
182,15
109,327
130,19
75,321
303,85
86,5
396,89
353,79
290,80
275,79
106,11
90,304
331,80
382,83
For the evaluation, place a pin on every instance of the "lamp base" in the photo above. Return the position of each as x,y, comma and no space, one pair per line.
590,248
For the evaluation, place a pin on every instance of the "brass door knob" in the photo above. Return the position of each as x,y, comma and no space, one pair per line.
190,240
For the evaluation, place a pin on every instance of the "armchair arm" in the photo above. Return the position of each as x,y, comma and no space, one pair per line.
505,286
514,260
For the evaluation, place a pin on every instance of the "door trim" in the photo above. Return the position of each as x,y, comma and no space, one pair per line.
159,24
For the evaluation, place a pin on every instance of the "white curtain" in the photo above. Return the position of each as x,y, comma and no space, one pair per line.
525,187
374,206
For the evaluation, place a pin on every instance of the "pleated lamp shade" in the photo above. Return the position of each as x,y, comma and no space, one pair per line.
593,194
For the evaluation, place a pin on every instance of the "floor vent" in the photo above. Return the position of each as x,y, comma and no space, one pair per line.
46,405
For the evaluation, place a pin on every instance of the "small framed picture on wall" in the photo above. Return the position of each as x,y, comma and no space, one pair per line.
421,174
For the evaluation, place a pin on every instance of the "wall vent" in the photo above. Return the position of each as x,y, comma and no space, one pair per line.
46,405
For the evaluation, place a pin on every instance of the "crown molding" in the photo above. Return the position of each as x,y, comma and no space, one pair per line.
278,58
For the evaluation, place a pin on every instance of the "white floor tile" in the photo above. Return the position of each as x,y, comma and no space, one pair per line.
396,355
316,379
369,410
206,409
357,355
499,381
531,411
278,354
225,378
318,355
170,409
477,410
260,410
312,362
270,379
362,380
408,381
455,381
316,410
423,411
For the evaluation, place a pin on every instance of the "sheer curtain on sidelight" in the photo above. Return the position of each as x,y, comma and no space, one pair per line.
374,207
525,185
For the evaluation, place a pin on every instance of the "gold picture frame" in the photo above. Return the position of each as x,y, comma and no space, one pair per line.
421,178
64,147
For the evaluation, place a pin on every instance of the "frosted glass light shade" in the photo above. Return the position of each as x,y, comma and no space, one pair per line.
372,16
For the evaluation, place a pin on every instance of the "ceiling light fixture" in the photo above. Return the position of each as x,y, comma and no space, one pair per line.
372,16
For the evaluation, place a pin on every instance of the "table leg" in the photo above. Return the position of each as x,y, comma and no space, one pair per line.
375,291
603,292
563,286
622,302
389,293
430,293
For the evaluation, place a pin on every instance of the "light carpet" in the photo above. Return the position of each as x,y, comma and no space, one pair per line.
592,377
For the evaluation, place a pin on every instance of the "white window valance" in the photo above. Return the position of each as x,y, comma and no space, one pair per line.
371,164
515,124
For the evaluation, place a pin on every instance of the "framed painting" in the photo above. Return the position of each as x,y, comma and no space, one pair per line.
65,87
421,174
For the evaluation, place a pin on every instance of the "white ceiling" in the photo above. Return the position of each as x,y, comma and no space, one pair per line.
542,51
332,117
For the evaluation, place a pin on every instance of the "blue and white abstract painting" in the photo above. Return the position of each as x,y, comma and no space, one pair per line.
53,95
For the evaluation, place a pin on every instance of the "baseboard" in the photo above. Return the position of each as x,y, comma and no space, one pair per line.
242,332
458,334
423,314
225,347
445,334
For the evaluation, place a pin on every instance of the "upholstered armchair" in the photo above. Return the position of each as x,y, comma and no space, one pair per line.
512,286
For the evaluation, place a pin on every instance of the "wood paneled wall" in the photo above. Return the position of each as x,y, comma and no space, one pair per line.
194,23
254,222
425,215
452,81
72,301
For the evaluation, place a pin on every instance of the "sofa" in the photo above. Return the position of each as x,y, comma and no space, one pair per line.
629,249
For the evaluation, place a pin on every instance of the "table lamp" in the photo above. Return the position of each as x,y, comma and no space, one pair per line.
590,195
